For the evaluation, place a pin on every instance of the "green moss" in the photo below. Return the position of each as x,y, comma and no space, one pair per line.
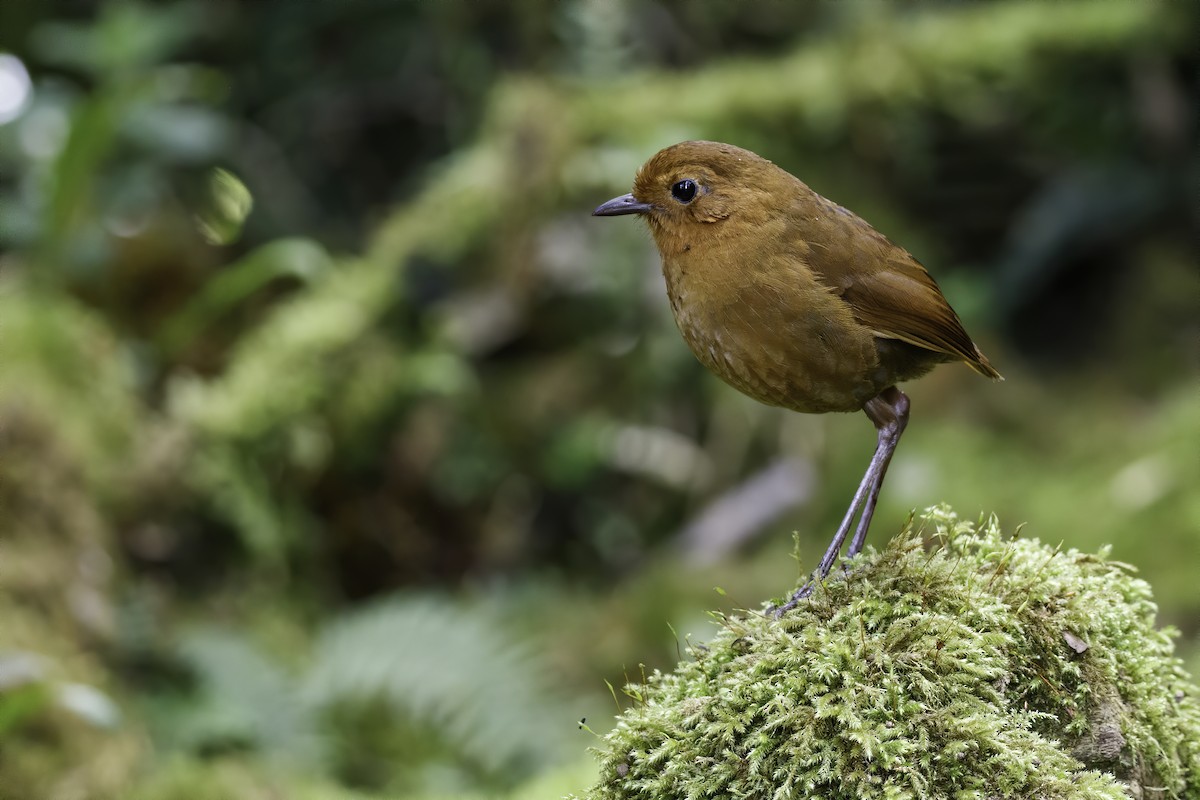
984,666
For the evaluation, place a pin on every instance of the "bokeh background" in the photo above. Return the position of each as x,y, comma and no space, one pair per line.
344,455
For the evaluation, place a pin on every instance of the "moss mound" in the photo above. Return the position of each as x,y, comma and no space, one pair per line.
983,666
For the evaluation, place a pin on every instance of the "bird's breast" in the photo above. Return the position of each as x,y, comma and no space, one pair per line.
775,335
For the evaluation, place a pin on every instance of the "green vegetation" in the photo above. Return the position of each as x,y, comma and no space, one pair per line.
990,666
343,456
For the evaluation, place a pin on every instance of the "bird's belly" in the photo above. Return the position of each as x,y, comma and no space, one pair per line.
801,362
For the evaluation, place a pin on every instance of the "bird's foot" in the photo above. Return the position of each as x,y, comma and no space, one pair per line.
800,594
805,592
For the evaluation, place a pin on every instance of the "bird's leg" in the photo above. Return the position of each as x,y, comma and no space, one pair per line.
889,412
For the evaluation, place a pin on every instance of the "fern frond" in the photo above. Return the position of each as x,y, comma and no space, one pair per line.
449,668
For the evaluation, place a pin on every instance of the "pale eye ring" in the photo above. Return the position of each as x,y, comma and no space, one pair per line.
684,191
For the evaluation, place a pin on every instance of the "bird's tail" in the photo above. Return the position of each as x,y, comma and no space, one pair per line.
984,367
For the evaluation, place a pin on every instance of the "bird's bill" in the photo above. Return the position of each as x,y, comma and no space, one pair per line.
625,204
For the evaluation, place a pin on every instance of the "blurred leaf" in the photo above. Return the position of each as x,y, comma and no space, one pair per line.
231,204
453,670
180,133
60,360
20,704
127,35
297,259
89,704
247,698
478,705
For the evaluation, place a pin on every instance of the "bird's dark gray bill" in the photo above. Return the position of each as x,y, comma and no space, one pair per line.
625,204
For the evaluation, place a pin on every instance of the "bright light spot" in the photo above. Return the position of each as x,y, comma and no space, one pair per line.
127,226
90,704
660,453
911,477
15,87
1141,483
43,131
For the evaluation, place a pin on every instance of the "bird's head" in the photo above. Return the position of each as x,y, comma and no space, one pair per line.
694,184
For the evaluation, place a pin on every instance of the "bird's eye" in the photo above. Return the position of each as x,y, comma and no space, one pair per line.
684,190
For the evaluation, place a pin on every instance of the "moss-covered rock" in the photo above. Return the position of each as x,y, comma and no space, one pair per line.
980,667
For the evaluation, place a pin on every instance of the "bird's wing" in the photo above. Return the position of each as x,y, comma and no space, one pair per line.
891,293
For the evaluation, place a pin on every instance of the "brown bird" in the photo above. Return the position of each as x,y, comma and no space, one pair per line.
793,300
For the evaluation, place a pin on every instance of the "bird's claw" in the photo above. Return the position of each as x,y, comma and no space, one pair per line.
800,594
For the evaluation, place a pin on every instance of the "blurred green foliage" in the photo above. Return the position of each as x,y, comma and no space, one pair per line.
411,695
302,306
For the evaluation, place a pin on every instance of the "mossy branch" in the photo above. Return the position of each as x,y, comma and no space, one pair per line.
985,666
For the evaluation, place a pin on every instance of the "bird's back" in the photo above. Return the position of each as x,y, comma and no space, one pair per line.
887,289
